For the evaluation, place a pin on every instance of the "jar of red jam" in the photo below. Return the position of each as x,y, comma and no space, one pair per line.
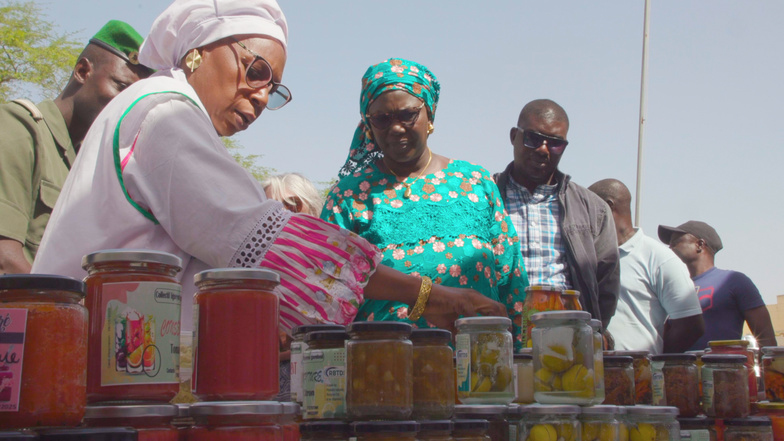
236,420
153,422
739,347
43,351
235,339
88,434
133,299
434,392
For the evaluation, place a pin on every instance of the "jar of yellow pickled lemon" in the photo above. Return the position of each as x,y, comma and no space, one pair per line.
599,423
484,360
652,423
552,423
598,361
434,381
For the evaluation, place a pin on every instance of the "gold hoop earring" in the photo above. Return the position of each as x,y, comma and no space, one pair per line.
430,128
193,60
369,134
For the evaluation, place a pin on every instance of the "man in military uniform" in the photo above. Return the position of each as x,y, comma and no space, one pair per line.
39,143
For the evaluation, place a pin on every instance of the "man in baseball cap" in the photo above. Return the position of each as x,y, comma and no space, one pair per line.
728,298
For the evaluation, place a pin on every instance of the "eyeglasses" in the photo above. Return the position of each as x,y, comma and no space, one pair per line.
533,140
406,117
259,75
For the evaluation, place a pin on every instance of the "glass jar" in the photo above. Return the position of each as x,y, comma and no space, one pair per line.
484,360
524,377
88,434
739,347
133,300
495,414
514,415
643,391
435,430
599,423
774,411
773,372
298,348
434,381
748,429
470,430
325,431
652,423
385,430
724,387
325,375
598,361
44,346
380,371
623,425
236,420
700,428
288,421
183,421
153,422
538,298
619,380
231,363
675,383
571,300
552,422
563,358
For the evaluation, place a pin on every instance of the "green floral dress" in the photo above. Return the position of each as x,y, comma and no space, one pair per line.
452,228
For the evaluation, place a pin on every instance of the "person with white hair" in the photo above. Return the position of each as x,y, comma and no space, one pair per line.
295,191
153,174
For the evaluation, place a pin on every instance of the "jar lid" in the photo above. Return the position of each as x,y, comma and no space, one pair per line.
601,409
89,434
433,425
480,409
183,410
207,408
770,350
304,329
697,421
674,357
724,358
570,292
718,343
516,409
357,327
224,274
561,315
596,324
131,255
131,411
633,354
324,426
699,353
42,282
768,405
543,288
544,409
326,336
290,408
431,333
523,356
748,422
651,410
617,359
471,424
17,434
483,321
384,426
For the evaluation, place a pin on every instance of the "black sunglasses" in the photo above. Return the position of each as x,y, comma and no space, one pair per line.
259,75
406,117
533,140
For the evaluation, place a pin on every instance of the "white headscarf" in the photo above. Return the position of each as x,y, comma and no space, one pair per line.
188,24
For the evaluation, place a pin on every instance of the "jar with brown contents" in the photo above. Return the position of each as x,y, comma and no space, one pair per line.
724,387
748,429
385,430
675,383
739,347
773,372
643,393
434,391
619,380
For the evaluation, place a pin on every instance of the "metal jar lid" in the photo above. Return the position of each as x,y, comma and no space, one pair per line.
470,424
326,336
227,274
773,350
483,321
131,255
523,356
697,421
384,426
601,409
441,335
652,410
89,434
207,408
435,425
689,358
341,427
617,359
131,411
534,288
359,327
561,315
468,410
551,409
290,408
17,435
720,343
596,324
748,422
183,410
570,292
516,410
633,354
724,358
42,282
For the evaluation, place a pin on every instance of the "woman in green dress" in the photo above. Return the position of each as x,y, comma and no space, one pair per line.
430,215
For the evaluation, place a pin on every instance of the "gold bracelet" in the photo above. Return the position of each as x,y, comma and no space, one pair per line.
424,296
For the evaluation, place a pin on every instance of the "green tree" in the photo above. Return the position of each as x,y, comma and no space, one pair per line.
248,162
32,52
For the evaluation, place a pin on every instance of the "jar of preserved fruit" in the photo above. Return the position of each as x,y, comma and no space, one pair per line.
563,358
325,431
484,360
470,430
739,347
538,298
699,355
773,372
700,428
380,371
236,420
43,336
385,430
434,381
231,363
748,429
571,300
598,361
153,422
652,423
643,392
675,383
724,387
619,380
515,414
599,423
495,414
774,411
524,377
325,375
435,430
133,300
552,422
88,434
288,421
298,348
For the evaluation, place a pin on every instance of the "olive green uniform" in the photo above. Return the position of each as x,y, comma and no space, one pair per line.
35,157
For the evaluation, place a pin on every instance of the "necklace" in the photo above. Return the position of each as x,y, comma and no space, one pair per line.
407,193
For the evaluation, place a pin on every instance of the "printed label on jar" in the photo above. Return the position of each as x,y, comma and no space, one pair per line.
297,370
141,333
699,435
13,325
463,356
657,383
324,383
707,389
195,361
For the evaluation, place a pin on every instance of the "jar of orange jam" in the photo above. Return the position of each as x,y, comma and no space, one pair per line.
236,421
153,422
43,351
133,299
235,318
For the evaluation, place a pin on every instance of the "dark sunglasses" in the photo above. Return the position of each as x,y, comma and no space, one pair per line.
533,140
406,117
259,75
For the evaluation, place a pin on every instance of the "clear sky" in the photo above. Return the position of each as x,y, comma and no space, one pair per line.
714,133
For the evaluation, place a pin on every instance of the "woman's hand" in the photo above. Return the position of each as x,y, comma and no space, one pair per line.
447,304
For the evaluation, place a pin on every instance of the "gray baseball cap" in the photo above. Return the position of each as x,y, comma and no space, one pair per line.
698,229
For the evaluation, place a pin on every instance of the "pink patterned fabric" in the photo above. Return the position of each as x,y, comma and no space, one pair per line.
323,271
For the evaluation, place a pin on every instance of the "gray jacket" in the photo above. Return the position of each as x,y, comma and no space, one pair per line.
591,244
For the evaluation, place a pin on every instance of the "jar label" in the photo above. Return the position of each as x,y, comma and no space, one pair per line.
297,370
141,333
13,325
657,383
324,383
699,435
463,356
707,389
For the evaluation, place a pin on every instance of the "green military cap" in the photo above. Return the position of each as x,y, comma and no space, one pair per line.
120,39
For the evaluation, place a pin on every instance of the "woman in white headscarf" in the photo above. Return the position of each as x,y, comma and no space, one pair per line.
152,173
